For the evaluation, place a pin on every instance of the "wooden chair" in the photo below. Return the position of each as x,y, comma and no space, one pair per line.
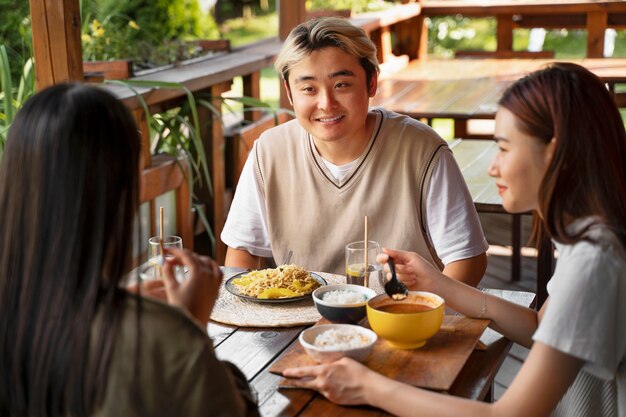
240,140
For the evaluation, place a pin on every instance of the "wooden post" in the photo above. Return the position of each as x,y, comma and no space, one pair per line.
252,88
56,41
290,14
504,33
596,26
212,136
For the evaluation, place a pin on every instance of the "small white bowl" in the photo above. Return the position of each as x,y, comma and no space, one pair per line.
342,313
328,354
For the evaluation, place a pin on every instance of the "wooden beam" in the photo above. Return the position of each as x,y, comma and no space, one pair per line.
56,41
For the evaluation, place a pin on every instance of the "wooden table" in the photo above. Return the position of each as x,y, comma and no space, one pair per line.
595,16
254,350
465,89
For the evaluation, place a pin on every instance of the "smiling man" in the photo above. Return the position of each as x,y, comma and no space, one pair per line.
308,183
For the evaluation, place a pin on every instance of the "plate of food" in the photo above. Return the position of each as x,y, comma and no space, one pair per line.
284,284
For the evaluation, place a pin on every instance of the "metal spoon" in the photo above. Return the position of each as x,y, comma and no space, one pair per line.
394,288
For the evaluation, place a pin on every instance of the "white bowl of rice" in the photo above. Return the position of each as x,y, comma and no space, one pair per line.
328,342
342,303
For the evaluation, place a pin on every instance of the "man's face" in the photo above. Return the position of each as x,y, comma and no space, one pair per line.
330,95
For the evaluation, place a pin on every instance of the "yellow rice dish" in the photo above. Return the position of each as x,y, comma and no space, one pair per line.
285,281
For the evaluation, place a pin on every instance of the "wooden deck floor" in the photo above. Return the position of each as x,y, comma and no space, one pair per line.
497,228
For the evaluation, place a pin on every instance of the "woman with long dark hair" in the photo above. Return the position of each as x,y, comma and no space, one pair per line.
73,342
562,153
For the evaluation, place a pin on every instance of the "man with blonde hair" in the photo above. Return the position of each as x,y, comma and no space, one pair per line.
309,182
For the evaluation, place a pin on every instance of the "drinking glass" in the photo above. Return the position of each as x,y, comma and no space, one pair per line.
154,250
154,253
355,265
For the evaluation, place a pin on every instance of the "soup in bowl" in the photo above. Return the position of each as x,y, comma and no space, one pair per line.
409,323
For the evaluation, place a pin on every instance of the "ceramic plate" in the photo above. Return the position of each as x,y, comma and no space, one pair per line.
232,288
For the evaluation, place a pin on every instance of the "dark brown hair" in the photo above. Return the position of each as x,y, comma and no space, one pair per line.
68,196
587,173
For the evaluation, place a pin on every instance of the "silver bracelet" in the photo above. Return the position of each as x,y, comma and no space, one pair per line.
483,310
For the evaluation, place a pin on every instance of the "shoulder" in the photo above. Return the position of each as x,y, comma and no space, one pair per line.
281,134
162,323
599,249
408,127
590,268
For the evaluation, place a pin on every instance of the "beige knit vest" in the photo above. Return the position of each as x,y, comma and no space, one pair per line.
313,215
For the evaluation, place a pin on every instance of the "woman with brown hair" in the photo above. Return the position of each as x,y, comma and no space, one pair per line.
562,153
73,342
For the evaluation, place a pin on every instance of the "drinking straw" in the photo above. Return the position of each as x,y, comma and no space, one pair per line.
365,261
162,258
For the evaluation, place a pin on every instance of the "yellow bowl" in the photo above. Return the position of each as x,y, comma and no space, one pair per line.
406,330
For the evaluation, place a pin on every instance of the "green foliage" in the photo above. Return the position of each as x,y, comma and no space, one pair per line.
447,34
15,31
108,39
12,98
148,32
357,6
243,31
176,131
159,19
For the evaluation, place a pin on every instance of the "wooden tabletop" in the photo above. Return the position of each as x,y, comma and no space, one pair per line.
254,350
468,88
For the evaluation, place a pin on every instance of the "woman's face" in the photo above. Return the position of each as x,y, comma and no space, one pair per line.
519,165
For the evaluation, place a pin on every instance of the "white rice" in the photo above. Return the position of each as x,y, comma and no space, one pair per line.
334,339
343,297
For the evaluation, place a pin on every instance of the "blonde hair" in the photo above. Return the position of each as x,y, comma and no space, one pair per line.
326,32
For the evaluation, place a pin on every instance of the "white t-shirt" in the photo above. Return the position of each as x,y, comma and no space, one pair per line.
453,224
586,318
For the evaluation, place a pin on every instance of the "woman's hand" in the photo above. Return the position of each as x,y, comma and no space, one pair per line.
343,382
413,270
198,293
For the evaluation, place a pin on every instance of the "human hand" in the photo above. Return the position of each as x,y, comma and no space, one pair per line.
343,382
198,293
151,288
413,270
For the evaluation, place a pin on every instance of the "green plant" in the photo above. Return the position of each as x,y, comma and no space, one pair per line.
107,39
176,132
15,31
11,98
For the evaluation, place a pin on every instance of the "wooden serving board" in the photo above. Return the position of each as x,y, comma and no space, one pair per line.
433,366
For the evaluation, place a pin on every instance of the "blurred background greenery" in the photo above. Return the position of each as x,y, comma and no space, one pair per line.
154,32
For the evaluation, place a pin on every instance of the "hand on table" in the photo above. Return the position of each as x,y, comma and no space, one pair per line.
413,270
343,382
199,291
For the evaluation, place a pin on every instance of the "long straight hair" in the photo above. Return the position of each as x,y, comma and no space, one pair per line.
68,196
587,173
